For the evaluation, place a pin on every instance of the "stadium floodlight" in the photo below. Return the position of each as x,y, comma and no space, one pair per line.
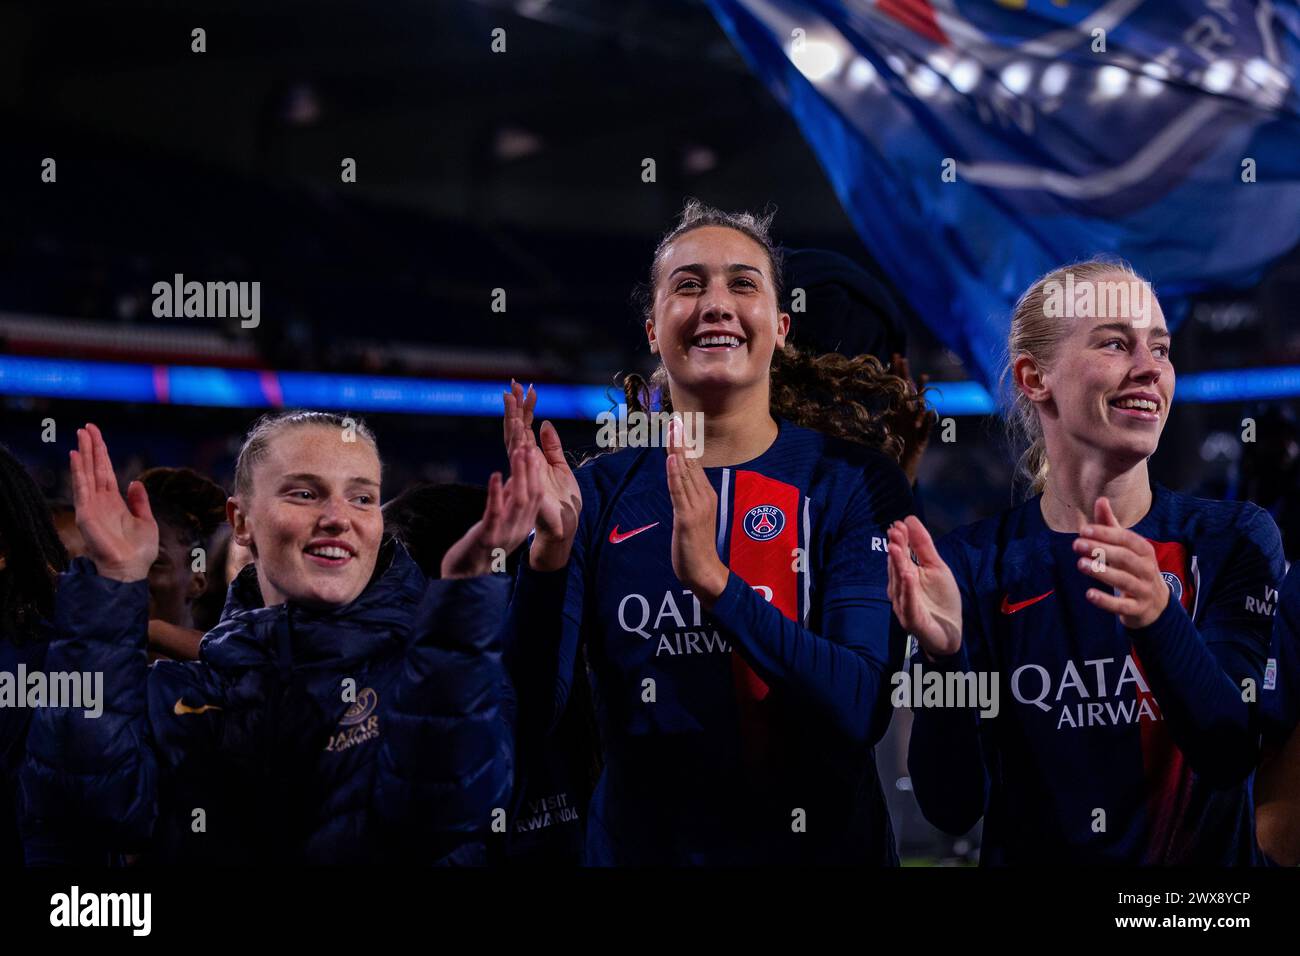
1055,78
1016,77
923,81
1112,81
964,76
861,73
818,60
1219,76
1152,80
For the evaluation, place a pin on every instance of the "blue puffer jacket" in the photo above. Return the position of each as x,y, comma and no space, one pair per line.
375,732
15,659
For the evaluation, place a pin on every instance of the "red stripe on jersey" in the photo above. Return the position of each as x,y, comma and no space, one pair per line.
762,554
1168,778
1172,557
764,560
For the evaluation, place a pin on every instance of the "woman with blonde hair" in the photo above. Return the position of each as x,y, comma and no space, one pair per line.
1124,626
346,708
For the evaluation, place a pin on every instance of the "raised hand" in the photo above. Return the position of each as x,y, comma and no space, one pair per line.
695,522
561,499
925,596
518,419
121,535
1127,564
509,515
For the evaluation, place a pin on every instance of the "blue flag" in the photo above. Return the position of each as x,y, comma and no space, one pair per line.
977,145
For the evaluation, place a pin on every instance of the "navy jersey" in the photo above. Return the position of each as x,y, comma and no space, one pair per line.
1279,699
1109,745
743,734
548,812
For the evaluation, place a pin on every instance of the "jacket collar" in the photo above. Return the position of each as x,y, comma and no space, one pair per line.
373,624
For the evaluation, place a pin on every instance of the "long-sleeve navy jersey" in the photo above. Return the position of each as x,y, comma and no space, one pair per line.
744,734
1110,745
1279,698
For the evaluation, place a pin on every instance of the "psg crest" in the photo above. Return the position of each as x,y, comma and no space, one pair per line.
361,708
1175,585
764,522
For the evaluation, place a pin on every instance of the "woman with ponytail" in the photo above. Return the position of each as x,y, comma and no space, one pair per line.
346,708
1121,627
729,589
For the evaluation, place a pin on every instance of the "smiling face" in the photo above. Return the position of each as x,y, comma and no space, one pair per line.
715,318
312,518
1109,386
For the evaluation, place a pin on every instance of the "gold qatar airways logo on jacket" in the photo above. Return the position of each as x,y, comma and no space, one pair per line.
359,724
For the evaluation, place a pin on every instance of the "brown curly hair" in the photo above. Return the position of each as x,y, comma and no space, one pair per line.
853,398
187,501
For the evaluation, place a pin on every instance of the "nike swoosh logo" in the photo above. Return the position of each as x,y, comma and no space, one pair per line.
615,537
1009,608
182,708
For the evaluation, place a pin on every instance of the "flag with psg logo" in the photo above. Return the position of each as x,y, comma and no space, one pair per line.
975,145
